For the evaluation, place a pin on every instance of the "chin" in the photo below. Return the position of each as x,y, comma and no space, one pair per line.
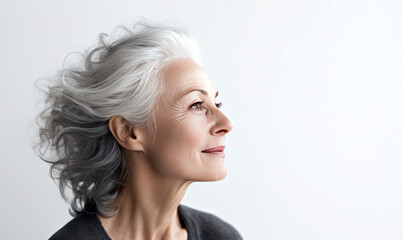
216,176
214,169
222,176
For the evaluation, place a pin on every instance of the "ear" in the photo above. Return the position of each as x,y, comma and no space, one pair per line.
126,135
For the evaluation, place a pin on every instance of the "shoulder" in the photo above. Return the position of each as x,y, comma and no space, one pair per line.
207,225
79,228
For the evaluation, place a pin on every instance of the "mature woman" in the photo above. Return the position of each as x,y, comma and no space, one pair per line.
128,131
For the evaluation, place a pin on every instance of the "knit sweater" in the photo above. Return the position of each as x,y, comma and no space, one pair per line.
199,226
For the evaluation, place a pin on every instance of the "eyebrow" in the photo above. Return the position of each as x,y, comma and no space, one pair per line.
204,92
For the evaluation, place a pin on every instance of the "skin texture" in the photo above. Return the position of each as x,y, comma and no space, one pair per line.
160,172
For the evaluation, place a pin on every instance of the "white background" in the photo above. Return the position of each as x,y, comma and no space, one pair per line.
314,90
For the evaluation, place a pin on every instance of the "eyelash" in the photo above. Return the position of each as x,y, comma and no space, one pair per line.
218,105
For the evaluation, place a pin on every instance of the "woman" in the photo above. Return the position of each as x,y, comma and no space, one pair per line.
131,129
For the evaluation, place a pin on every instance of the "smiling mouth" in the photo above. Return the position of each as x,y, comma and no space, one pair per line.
214,149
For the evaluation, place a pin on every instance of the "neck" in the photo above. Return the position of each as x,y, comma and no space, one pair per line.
148,204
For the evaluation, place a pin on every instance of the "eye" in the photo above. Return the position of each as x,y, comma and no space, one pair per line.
218,105
197,104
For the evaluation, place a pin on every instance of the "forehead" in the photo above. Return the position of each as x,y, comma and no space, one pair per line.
182,75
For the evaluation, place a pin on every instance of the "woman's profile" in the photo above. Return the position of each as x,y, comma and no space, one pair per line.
128,130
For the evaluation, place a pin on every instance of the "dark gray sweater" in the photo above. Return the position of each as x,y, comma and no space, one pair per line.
199,225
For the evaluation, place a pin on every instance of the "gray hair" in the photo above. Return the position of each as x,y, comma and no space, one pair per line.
120,76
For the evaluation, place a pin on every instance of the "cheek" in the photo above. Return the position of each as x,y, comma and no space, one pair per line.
178,145
187,135
183,129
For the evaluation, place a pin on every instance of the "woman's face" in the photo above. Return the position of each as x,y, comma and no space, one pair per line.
184,129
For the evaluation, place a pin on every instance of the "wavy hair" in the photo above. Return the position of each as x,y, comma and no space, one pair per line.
118,76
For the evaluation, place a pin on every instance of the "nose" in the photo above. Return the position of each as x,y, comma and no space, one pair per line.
223,124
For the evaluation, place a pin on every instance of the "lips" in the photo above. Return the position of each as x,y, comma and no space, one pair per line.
214,149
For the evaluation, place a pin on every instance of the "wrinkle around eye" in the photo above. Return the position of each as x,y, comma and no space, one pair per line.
178,113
